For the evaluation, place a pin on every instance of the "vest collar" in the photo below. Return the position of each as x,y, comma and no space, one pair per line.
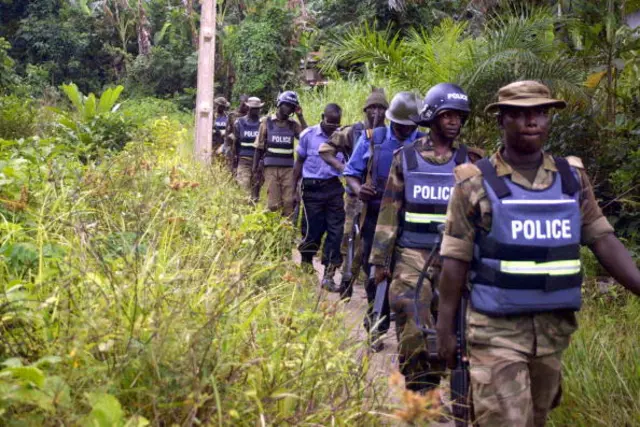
503,168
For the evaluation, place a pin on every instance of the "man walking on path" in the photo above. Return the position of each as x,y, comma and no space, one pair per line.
516,222
344,141
323,196
230,146
275,152
245,133
220,125
414,204
367,173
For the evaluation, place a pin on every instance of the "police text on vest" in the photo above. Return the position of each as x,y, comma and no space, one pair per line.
541,230
428,192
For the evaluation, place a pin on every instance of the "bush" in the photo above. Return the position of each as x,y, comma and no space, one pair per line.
17,117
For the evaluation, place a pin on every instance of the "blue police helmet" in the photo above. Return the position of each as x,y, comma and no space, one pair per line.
288,97
443,96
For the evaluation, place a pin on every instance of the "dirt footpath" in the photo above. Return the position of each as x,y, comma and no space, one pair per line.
384,363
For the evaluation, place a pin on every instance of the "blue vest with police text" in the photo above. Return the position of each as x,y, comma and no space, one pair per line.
279,145
529,262
221,124
248,132
383,148
427,189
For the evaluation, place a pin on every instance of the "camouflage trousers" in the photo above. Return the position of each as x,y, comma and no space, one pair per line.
280,188
414,365
511,388
352,206
244,173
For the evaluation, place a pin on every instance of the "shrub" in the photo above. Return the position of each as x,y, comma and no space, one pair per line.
17,117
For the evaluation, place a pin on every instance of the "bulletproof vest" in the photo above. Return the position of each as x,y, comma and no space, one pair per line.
356,132
427,189
529,262
221,124
383,149
279,145
248,132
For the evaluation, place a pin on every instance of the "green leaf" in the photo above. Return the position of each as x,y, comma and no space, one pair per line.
106,410
28,373
90,107
74,95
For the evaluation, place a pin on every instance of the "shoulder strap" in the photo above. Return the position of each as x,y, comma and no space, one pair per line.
379,135
269,124
491,177
409,152
461,154
569,182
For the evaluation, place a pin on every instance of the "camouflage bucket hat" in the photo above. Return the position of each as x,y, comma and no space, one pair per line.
221,100
525,93
377,97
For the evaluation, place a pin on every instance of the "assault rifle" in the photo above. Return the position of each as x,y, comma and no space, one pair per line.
459,379
346,285
258,181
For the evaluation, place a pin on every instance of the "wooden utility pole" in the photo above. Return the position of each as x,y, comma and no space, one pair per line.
204,99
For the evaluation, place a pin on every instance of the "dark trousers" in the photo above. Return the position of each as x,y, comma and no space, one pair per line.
324,213
367,233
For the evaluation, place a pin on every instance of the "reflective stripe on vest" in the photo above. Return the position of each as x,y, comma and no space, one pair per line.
427,189
248,132
529,261
279,145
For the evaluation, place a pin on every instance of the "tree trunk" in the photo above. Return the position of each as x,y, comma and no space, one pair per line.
206,67
144,31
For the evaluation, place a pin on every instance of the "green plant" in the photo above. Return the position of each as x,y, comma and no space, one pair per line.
17,117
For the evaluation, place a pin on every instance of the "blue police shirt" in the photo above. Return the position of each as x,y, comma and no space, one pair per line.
357,165
314,167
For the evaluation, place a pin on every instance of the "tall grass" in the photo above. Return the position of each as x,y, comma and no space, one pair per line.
601,368
148,288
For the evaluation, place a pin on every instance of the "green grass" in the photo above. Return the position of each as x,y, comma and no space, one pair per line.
601,368
145,287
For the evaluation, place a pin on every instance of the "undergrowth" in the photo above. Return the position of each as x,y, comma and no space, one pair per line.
142,288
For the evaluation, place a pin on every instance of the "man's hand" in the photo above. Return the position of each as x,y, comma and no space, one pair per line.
379,274
446,343
298,111
367,192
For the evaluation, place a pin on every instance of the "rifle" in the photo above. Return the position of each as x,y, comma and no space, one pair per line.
459,379
258,181
346,285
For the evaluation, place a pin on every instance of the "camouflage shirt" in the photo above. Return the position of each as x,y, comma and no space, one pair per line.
470,210
262,132
340,142
231,130
393,200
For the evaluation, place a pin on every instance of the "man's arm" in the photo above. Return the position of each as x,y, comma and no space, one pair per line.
260,145
303,122
452,281
617,260
388,219
337,143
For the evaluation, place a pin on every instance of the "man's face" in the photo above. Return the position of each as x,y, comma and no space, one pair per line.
254,113
448,124
243,109
375,115
221,109
525,130
403,132
330,122
287,109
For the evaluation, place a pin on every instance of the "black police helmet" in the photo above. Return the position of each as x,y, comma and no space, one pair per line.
443,96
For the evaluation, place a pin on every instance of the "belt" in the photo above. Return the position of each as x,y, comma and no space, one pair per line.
318,181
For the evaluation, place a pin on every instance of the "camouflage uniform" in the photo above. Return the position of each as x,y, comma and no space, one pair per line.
279,180
342,142
230,142
408,264
218,139
515,361
244,168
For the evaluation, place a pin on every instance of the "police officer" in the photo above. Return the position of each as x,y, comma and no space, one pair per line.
220,124
414,204
245,133
323,194
366,175
343,141
516,222
275,150
230,143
